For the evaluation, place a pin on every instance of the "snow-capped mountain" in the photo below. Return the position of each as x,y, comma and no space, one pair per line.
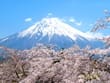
50,31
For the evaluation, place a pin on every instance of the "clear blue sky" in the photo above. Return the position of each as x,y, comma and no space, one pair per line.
13,13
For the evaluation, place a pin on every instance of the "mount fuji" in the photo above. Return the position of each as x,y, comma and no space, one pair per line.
50,31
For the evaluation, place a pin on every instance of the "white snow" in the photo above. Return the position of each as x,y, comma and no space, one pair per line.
4,39
52,26
94,35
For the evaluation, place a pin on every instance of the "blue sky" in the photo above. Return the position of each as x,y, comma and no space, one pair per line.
17,15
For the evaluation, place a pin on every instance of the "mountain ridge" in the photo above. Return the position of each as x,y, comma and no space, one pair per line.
49,31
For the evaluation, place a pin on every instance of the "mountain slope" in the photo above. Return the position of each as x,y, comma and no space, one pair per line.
49,31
